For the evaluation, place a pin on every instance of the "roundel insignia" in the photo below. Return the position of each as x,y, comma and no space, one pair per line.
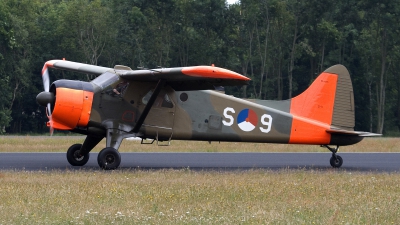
247,120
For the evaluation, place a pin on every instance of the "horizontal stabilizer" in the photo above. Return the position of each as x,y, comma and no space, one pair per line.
353,133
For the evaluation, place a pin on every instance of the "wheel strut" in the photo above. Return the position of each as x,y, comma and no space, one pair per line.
333,150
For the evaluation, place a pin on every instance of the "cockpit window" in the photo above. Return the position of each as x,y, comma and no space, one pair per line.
162,100
106,79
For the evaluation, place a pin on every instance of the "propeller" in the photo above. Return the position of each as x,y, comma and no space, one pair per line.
46,98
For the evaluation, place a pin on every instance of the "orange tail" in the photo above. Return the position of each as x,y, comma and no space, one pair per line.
327,103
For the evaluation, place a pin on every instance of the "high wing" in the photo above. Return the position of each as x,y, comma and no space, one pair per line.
179,78
188,78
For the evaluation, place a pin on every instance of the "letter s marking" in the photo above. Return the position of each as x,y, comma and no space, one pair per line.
227,116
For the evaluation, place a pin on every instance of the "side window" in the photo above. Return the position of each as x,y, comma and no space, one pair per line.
162,100
167,103
146,98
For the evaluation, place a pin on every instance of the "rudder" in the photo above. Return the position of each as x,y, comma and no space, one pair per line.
343,111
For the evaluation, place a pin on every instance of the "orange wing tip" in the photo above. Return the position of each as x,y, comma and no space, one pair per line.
212,72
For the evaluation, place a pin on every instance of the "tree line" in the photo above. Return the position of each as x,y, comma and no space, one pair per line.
282,45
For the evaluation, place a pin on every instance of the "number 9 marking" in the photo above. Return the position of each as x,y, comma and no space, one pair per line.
267,123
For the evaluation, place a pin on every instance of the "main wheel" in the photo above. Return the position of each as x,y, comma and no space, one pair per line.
74,157
109,158
336,162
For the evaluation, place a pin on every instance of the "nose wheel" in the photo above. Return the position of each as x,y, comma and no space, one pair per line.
109,158
74,156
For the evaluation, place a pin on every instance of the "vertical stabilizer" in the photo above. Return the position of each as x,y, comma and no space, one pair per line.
317,101
328,102
329,99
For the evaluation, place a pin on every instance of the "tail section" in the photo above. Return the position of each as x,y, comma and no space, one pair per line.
328,103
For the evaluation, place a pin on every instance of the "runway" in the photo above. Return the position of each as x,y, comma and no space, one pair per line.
363,162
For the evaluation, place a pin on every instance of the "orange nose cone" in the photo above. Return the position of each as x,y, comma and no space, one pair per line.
72,108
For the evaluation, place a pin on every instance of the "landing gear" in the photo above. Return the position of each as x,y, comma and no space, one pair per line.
336,161
109,158
74,156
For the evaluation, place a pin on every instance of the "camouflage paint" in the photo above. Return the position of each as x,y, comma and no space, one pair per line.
194,114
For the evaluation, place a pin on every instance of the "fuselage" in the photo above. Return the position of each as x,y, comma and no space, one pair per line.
206,116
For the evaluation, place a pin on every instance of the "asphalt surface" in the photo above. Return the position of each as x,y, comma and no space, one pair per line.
362,162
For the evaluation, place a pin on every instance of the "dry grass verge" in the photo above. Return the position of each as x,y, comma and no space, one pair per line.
61,144
187,197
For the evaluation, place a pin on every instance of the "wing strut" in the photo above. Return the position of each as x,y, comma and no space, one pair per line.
150,103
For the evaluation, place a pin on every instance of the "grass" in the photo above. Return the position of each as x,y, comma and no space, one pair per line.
61,144
197,197
187,197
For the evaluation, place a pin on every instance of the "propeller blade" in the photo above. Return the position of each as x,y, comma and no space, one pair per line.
51,128
46,78
46,98
46,83
50,123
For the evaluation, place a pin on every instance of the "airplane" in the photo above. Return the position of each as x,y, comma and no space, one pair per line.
180,103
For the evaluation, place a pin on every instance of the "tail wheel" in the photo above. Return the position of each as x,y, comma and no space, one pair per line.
109,158
75,158
336,161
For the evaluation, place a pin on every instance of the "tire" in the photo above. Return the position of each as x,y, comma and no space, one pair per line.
109,159
336,162
73,158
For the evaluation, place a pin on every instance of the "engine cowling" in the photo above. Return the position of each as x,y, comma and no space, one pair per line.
72,104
